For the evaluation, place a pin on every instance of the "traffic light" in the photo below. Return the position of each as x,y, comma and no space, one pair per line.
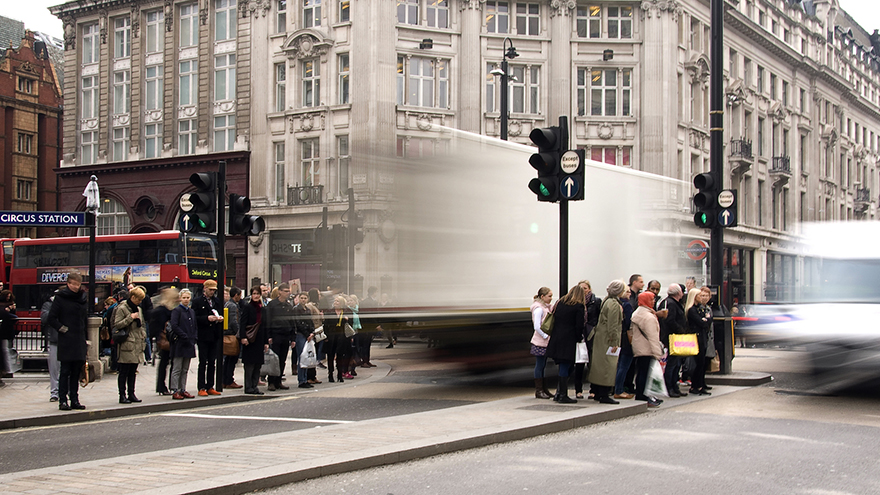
203,217
704,200
240,223
546,162
357,229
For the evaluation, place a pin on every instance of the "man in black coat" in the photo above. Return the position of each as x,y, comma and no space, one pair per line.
674,323
209,322
280,321
69,314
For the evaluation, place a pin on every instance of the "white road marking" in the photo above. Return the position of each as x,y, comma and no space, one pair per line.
258,418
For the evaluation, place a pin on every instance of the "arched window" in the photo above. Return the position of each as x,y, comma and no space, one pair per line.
113,219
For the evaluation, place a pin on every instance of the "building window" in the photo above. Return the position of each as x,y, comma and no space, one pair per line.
342,165
25,143
281,16
345,11
224,77
122,37
90,97
620,24
604,92
418,79
224,132
154,33
490,88
760,82
280,87
760,136
419,148
589,21
225,20
152,140
153,88
610,155
784,93
280,165
524,94
121,140
311,83
91,44
311,162
344,73
25,85
408,11
311,13
186,136
121,92
23,189
438,13
89,147
189,25
188,82
113,219
497,16
528,18
772,86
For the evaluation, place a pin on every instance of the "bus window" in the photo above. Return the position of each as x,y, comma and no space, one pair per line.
200,250
7,251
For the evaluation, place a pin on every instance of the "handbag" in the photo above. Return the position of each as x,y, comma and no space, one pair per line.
683,344
271,364
549,320
320,336
349,331
119,335
308,358
582,355
250,331
170,335
230,345
715,364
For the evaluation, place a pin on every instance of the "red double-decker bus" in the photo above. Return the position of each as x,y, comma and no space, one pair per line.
153,260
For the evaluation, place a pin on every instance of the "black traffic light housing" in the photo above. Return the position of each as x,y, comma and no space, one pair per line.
240,223
203,216
546,161
357,229
704,200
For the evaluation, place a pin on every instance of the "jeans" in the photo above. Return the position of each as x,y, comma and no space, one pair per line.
623,364
565,368
68,381
363,341
54,370
540,364
301,373
179,371
207,364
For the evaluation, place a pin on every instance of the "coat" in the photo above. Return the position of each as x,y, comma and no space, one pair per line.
568,330
646,334
132,350
48,330
69,314
251,313
699,320
208,331
675,321
333,324
603,368
183,324
279,321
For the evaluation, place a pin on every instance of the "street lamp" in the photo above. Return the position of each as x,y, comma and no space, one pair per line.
509,52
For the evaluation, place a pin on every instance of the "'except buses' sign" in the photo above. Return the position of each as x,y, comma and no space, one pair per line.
43,218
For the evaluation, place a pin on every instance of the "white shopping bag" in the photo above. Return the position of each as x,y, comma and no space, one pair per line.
308,357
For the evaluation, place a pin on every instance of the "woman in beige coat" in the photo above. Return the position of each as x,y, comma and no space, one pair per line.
646,344
130,319
606,336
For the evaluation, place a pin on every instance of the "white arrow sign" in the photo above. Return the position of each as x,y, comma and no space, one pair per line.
725,217
569,185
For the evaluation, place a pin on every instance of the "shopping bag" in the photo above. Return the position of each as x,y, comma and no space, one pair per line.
230,345
271,364
715,364
320,336
308,358
683,344
655,385
582,355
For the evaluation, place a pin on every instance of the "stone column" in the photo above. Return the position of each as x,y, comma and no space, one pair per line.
559,66
470,80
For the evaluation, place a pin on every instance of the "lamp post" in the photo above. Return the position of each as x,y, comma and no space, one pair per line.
93,204
509,52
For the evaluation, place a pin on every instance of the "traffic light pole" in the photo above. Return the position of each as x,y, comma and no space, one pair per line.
563,219
221,262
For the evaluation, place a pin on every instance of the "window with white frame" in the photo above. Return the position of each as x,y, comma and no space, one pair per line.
490,88
90,99
344,74
153,87
311,83
311,13
280,16
121,92
497,17
25,143
342,166
345,11
620,23
154,34
152,140
23,189
311,162
224,77
589,21
89,147
606,92
122,37
524,94
189,25
408,11
612,155
113,219
423,82
187,132
280,166
91,44
224,132
121,143
528,18
26,85
438,13
280,87
188,82
224,20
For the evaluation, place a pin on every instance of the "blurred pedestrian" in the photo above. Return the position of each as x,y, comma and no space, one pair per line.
304,331
385,301
606,343
368,308
7,331
69,314
129,318
645,344
568,330
51,334
253,340
540,308
169,298
338,345
183,344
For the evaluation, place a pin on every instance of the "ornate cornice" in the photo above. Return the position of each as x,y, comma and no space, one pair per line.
562,7
651,8
307,43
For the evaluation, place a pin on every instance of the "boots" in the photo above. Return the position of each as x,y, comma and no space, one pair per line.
562,392
131,396
540,393
123,399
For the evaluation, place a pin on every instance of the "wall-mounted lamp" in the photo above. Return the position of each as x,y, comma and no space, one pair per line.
607,55
426,44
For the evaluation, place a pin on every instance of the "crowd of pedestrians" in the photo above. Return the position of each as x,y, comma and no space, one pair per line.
620,339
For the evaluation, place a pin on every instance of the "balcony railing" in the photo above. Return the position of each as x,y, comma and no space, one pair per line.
305,195
781,165
741,148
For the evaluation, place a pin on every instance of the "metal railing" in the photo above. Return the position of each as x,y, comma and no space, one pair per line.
781,165
29,341
741,148
305,195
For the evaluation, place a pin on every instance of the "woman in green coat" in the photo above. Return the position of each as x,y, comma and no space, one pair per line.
606,335
129,318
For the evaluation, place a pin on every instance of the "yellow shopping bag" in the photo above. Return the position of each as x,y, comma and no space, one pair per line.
683,344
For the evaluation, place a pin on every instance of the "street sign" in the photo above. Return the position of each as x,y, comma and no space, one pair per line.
570,186
696,249
726,198
43,218
185,203
569,162
726,217
185,223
